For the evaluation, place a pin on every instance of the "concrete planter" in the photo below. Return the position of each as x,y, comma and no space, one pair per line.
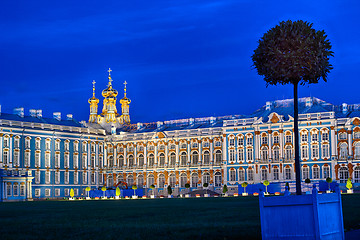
71,199
328,191
187,195
206,195
117,197
350,191
244,194
152,196
88,198
134,197
312,216
170,196
226,195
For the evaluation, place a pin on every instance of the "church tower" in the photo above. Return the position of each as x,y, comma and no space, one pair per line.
109,105
93,106
125,102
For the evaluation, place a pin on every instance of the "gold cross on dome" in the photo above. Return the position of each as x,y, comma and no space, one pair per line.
125,83
109,71
93,83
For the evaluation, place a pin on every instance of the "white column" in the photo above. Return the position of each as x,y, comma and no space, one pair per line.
257,146
333,142
282,155
125,155
115,156
10,151
177,153
166,153
200,154
156,154
350,141
270,144
1,151
145,157
224,148
188,152
135,155
211,150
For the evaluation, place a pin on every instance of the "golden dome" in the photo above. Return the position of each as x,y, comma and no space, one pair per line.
109,91
93,99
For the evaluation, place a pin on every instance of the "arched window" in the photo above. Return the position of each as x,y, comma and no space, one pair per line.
305,172
141,160
315,151
325,151
241,154
120,178
111,162
232,155
194,179
161,159
288,153
140,181
357,174
130,180
206,158
232,175
357,151
150,180
250,173
343,151
194,158
250,154
218,157
172,160
218,179
315,172
275,173
131,161
183,179
344,174
264,154
183,159
276,154
121,161
151,161
304,152
264,174
288,173
241,175
326,171
161,180
172,180
206,178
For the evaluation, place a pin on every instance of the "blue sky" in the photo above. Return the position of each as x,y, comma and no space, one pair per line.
180,58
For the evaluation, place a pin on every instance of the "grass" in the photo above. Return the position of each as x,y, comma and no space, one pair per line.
194,218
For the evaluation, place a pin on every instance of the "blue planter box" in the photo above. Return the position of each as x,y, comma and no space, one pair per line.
312,216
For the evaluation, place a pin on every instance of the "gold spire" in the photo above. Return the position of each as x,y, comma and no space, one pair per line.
110,80
109,105
125,102
125,83
93,83
93,105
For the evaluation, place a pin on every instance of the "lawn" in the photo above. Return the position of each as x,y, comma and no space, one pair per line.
195,218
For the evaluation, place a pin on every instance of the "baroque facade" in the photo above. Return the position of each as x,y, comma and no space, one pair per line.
46,157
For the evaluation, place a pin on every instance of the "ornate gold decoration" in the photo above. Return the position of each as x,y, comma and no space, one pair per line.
93,106
356,122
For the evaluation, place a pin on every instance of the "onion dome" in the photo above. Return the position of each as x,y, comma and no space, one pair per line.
109,92
93,99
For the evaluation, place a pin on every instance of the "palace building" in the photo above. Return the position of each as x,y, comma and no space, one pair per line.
46,157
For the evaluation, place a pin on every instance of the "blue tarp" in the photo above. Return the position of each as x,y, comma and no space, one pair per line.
111,193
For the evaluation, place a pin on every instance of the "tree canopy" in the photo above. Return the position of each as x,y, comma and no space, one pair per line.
293,52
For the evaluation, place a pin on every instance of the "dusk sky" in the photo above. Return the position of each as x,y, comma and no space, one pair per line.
180,58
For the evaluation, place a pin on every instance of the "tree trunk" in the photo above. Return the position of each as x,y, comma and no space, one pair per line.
296,140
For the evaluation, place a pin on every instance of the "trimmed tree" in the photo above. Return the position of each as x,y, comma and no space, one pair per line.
225,189
71,193
266,183
134,187
307,181
349,184
206,185
244,185
152,187
293,53
117,191
88,190
329,180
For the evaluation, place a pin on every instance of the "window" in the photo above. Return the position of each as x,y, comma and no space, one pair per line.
84,177
264,174
66,146
325,136
150,180
326,170
130,180
304,152
27,159
92,161
325,151
241,154
343,151
217,144
37,192
249,154
161,180
342,136
6,141
47,159
183,159
16,189
57,160
140,181
232,175
8,190
232,155
231,142
162,147
194,145
276,154
47,177
264,140
151,161
183,180
57,145
121,161
183,145
16,142
275,173
206,178
264,154
76,177
315,151
47,192
357,151
250,173
101,148
66,160
218,157
344,174
206,158
66,192
316,172
218,179
241,141
249,141
241,175
305,172
357,174
92,177
22,190
288,138
76,146
162,160
37,143
276,139
27,143
314,137
66,177
83,147
37,176
304,137
172,180
287,173
16,161
84,160
57,177
172,146
141,160
92,147
76,160
47,144
6,157
57,192
194,158
356,135
130,161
